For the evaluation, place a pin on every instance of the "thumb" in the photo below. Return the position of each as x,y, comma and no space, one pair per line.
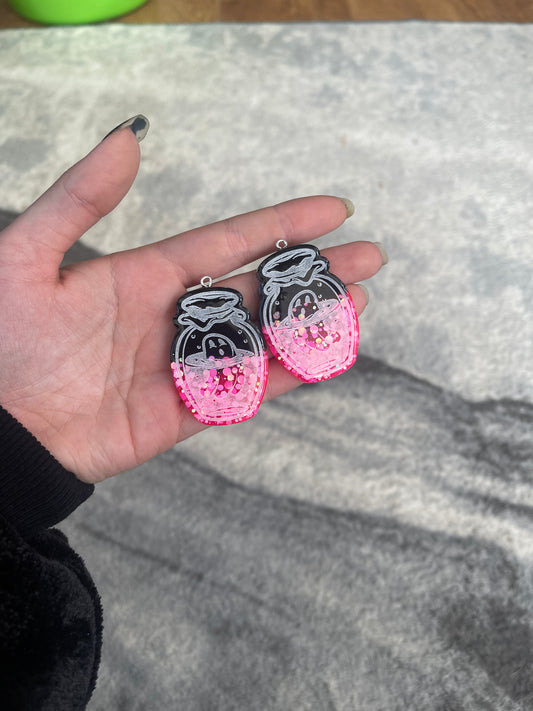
77,200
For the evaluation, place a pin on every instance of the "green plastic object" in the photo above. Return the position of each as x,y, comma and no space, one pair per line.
73,12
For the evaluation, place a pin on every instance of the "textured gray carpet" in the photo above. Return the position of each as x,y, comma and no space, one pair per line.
365,544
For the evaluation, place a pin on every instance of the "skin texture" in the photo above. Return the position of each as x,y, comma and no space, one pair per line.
84,357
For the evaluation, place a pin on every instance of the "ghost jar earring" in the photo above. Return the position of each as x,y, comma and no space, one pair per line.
307,314
218,356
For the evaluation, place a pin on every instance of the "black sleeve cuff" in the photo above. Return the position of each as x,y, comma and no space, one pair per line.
35,490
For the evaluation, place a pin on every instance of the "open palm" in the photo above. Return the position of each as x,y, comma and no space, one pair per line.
84,352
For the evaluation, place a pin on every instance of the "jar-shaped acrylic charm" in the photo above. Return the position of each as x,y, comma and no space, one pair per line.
218,357
307,315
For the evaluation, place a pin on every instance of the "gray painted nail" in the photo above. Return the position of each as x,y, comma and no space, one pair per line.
348,204
383,252
138,124
365,292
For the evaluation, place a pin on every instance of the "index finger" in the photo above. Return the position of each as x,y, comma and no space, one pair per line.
219,248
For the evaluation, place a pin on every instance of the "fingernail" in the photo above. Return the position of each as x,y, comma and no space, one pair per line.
348,204
138,124
383,252
365,292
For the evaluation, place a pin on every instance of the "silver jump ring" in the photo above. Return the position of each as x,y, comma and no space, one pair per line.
281,244
206,282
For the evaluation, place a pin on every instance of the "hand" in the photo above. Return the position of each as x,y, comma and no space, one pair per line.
84,352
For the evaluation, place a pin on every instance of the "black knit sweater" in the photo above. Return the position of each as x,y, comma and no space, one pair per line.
50,613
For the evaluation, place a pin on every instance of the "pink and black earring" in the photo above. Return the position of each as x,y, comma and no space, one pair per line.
307,315
218,356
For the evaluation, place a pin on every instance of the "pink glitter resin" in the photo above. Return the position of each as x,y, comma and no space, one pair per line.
307,315
222,391
317,345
